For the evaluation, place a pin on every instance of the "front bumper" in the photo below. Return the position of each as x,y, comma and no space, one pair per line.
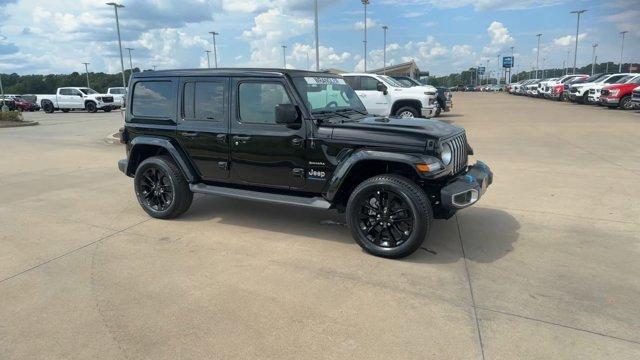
428,112
466,189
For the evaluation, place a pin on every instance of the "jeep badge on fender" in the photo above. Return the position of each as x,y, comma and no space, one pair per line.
299,138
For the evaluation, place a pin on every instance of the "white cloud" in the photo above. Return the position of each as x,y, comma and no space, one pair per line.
568,40
499,35
359,25
270,31
328,56
478,4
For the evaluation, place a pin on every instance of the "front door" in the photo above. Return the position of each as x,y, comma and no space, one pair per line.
264,153
204,125
375,101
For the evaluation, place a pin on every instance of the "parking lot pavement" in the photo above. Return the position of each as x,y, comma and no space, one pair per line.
545,266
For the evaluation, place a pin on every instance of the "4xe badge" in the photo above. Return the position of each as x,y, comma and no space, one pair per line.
316,175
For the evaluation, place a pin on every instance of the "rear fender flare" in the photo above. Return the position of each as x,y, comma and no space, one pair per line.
176,153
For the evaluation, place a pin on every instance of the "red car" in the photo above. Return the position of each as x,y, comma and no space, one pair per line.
24,104
619,94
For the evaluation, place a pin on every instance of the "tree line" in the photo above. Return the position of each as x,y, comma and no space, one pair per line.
48,84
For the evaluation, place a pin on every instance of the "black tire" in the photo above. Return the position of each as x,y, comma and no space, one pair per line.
166,194
626,104
65,110
364,213
91,107
438,110
47,106
406,110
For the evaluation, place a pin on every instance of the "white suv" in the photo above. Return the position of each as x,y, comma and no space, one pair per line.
118,94
385,96
580,92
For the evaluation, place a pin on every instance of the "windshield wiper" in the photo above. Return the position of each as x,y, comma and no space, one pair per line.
350,109
329,112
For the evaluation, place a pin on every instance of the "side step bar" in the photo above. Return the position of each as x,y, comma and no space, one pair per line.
312,202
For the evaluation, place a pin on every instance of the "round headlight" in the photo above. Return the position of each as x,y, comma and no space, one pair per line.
446,154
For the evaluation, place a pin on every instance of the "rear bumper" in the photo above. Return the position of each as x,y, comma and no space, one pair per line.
466,189
122,166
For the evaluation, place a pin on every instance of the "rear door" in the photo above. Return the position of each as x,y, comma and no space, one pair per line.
264,153
204,125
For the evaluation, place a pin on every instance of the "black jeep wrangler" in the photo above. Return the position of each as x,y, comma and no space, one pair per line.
296,138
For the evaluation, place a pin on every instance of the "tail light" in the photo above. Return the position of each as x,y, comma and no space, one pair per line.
124,137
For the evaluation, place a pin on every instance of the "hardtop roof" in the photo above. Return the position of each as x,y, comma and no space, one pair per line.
257,72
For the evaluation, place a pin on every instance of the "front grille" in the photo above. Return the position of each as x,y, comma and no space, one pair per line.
459,152
592,91
107,99
574,90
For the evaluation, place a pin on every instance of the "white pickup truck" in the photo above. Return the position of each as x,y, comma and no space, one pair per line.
118,94
76,98
385,96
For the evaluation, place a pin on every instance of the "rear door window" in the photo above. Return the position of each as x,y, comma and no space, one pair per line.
153,99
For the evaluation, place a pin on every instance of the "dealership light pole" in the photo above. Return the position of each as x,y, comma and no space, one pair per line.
384,56
365,3
130,61
215,51
86,71
575,51
284,56
593,58
621,49
538,56
115,7
315,22
208,59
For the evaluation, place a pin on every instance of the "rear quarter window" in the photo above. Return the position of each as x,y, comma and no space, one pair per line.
153,99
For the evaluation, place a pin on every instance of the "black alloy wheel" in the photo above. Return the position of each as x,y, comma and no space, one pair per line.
389,215
161,188
156,189
386,220
47,107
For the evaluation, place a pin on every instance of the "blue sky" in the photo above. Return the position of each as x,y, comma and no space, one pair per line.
43,37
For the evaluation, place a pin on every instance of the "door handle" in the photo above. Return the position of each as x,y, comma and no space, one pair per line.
221,138
237,139
189,134
297,141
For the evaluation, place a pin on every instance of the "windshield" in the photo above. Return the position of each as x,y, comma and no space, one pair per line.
88,91
625,79
391,81
327,94
405,82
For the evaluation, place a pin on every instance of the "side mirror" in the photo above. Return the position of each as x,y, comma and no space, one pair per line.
382,88
287,114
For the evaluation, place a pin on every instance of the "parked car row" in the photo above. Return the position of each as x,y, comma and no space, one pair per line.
612,90
19,102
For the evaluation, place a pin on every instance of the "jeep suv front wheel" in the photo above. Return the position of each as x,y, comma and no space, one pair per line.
389,216
161,189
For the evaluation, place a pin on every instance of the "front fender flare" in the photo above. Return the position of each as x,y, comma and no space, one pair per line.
345,166
176,153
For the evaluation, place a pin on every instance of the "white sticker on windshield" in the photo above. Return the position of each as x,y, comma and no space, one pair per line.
316,80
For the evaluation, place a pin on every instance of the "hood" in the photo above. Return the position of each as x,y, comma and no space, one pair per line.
414,90
412,132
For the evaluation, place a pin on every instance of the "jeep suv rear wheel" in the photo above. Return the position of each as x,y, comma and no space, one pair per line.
389,216
161,189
